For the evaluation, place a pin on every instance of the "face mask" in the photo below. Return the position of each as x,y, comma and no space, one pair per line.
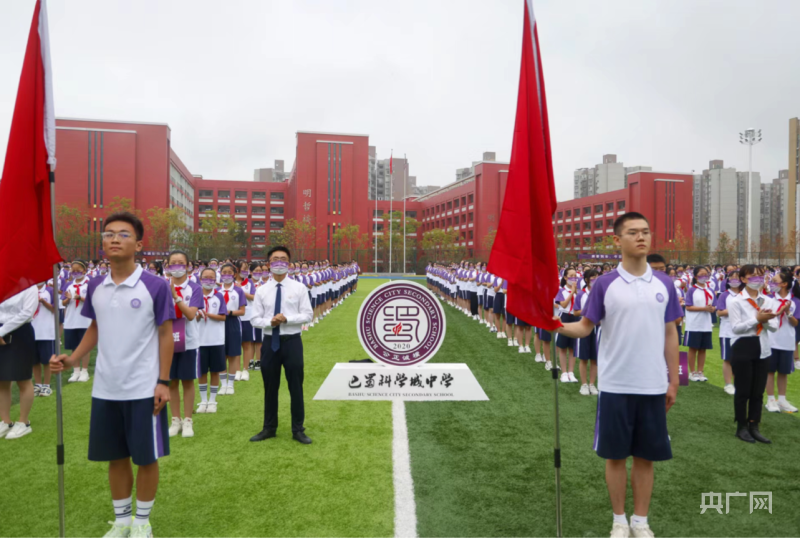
152,271
76,275
226,279
208,283
177,271
40,286
103,271
572,280
213,265
774,287
201,267
279,267
91,266
755,282
702,279
244,274
734,282
680,275
304,270
257,275
591,282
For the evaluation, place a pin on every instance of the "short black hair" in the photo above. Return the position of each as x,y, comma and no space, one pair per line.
180,252
656,258
632,215
130,218
278,249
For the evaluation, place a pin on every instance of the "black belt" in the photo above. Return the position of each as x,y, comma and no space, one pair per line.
285,337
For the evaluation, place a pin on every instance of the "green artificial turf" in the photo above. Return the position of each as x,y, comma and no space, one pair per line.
486,468
218,483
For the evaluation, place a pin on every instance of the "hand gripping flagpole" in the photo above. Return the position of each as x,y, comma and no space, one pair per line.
62,531
557,444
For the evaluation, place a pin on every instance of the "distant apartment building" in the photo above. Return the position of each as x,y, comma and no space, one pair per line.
793,177
775,205
608,176
271,175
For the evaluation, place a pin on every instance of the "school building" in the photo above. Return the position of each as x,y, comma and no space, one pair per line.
665,198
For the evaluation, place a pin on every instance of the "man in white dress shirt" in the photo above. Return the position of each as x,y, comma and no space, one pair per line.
281,307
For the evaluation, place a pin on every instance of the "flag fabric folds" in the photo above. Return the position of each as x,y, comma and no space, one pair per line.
524,250
27,246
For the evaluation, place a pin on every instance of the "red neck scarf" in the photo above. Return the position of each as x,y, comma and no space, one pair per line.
754,305
709,296
77,295
178,313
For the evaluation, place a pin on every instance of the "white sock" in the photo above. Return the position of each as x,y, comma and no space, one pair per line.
770,398
782,398
143,512
214,390
620,518
123,510
638,520
231,378
204,393
77,369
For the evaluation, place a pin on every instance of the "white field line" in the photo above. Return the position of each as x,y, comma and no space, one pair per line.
405,507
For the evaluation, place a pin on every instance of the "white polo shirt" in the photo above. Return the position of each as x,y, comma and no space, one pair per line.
634,311
43,325
235,295
128,316
212,332
783,338
699,321
247,286
73,317
192,295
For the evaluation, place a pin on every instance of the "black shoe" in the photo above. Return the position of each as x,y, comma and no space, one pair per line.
258,365
250,366
744,434
757,434
301,437
263,434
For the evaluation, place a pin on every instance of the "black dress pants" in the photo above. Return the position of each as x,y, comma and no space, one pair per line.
290,356
473,302
750,379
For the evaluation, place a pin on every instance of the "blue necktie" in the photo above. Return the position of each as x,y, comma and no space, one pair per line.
276,331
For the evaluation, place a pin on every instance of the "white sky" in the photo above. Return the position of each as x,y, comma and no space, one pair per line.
662,83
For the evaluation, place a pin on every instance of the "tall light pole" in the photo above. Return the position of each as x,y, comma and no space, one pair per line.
375,216
405,180
750,137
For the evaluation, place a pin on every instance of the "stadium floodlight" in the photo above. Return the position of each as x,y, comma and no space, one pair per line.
750,137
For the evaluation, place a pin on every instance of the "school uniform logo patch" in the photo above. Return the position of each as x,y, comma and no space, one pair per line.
136,303
659,297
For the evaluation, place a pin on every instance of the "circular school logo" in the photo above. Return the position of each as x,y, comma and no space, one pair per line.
659,298
136,303
401,323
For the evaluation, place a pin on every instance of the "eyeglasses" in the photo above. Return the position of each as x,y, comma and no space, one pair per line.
109,236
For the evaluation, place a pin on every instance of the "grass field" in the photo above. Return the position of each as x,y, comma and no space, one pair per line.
479,468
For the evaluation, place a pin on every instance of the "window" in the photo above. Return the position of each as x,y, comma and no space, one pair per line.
241,195
597,239
456,202
224,195
610,206
259,238
276,225
377,213
463,219
560,215
587,210
259,224
598,225
587,241
598,208
204,208
471,198
276,211
380,226
241,210
621,205
471,217
224,209
569,227
276,196
206,194
449,221
610,222
469,236
560,229
411,214
569,242
259,210
569,213
470,253
587,226
259,196
449,205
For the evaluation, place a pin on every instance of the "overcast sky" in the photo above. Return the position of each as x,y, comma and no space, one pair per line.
662,83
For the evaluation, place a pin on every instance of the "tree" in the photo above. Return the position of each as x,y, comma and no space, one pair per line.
397,220
605,245
727,249
119,204
442,244
351,238
166,228
299,236
488,239
72,236
217,236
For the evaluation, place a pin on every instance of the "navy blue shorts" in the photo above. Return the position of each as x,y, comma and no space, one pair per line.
586,348
489,302
212,359
248,332
632,425
565,342
44,350
61,316
127,429
313,303
72,338
520,323
510,319
725,348
185,365
680,335
544,336
233,336
259,336
781,361
480,298
499,305
698,340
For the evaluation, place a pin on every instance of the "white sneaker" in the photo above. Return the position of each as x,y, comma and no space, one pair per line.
76,373
475,317
528,349
142,531
503,335
19,429
238,376
245,376
175,427
45,392
772,406
36,391
515,342
548,365
693,376
700,377
500,335
84,377
212,407
729,389
539,358
522,349
641,530
565,378
510,342
797,365
572,378
118,530
593,390
230,391
188,431
584,390
620,530
786,407
202,408
223,390
4,429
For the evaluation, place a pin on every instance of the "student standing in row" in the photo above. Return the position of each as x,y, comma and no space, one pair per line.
131,313
44,329
781,362
235,304
247,286
75,324
699,307
725,331
212,341
587,346
565,301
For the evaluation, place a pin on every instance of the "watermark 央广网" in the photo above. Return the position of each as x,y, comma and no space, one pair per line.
759,500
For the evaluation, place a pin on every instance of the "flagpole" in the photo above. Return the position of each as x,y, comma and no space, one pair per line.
391,198
375,216
557,444
62,530
405,180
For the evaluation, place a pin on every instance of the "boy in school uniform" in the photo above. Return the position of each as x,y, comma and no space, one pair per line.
131,313
45,332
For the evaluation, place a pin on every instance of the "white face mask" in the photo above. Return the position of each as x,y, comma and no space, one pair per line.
279,267
177,274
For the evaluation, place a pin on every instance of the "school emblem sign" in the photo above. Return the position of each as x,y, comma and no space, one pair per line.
401,326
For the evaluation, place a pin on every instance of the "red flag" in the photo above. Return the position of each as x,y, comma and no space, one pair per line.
524,250
27,247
